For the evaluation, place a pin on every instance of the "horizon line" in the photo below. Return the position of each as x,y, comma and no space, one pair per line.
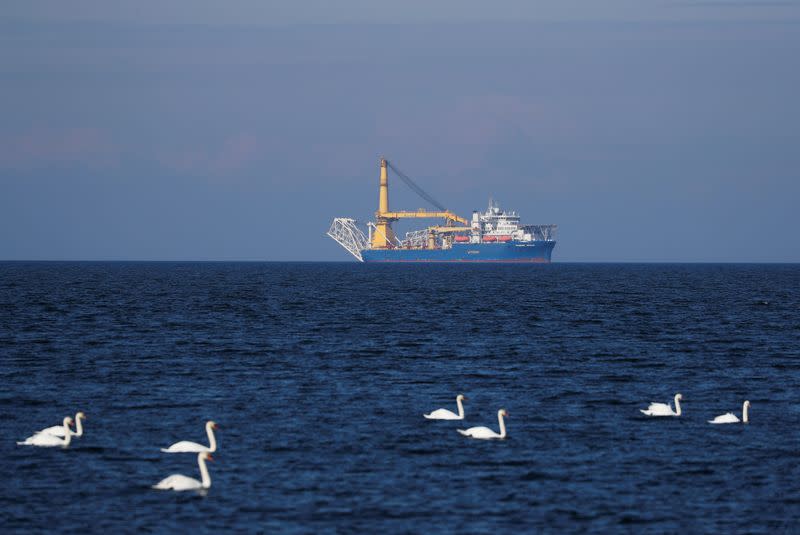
207,261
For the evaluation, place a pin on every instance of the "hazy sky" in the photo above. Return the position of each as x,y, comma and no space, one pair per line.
197,129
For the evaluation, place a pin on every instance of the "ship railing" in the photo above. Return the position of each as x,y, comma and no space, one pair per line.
349,236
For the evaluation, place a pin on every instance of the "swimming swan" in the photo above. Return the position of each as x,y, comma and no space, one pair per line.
184,446
49,441
731,418
181,482
444,414
663,409
58,430
486,433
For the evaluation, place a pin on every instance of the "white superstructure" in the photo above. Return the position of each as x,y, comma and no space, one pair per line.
505,226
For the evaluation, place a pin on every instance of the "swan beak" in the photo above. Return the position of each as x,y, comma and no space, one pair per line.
210,458
215,426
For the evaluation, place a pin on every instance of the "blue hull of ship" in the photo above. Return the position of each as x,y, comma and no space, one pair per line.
467,252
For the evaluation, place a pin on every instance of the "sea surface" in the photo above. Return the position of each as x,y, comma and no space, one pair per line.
318,375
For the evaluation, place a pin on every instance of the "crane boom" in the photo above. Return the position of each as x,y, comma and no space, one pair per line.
449,229
450,216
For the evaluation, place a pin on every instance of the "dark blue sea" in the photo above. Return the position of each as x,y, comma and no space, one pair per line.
318,375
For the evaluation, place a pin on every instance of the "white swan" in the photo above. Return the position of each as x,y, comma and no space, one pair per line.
731,418
663,409
486,433
58,430
444,414
181,482
184,446
49,441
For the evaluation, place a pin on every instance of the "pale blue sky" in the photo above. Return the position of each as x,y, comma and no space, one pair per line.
648,131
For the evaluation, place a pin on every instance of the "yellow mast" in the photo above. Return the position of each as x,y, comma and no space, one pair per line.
383,237
383,194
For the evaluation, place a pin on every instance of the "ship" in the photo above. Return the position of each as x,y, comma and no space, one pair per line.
494,235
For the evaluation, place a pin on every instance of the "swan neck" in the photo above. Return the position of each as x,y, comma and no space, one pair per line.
502,425
67,435
212,440
78,427
205,477
460,408
677,406
744,413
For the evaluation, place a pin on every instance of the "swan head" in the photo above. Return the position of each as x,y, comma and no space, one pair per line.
503,413
461,397
67,421
80,416
747,404
204,455
212,425
678,397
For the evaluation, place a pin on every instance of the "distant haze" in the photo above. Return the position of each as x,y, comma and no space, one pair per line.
199,130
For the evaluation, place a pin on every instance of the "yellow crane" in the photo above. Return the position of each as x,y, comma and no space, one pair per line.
384,237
